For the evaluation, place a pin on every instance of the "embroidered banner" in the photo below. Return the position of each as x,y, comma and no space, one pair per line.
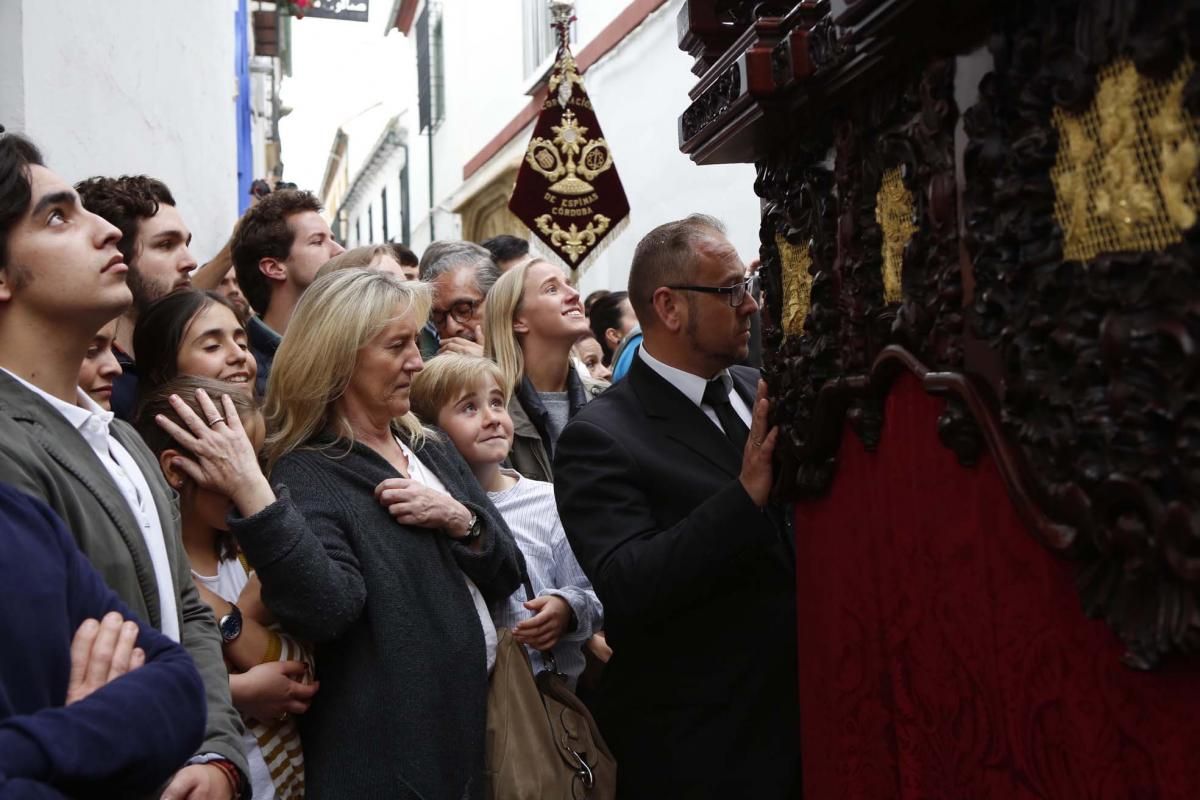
567,189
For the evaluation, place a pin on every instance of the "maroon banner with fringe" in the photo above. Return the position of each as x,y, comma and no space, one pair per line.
568,191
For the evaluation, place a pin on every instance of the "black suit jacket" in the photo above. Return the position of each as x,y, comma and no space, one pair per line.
698,586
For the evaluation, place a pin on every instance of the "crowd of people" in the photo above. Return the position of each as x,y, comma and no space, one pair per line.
265,516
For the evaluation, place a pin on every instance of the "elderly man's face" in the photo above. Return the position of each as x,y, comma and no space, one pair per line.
457,303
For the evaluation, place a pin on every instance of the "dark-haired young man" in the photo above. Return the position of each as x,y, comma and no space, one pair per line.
407,260
277,248
154,242
62,277
507,251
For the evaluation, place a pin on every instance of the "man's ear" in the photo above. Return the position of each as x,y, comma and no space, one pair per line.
11,279
273,268
668,309
174,475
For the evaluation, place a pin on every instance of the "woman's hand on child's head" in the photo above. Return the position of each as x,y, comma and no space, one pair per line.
223,460
552,616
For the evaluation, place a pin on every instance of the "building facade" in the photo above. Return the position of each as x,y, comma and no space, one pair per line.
479,77
152,89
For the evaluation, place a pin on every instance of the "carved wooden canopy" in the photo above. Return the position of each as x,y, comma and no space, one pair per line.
1002,198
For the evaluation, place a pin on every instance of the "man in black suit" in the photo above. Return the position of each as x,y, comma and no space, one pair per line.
662,483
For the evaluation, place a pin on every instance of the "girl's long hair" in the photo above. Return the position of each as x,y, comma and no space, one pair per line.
337,315
500,340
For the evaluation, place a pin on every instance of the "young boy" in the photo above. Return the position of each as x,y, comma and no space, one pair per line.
467,397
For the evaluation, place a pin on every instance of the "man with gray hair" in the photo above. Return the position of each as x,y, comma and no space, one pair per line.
460,273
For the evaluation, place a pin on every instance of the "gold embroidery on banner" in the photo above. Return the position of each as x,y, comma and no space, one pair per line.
555,157
795,262
572,241
565,75
894,212
1125,174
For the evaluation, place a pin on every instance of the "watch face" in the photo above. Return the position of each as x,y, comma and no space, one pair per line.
231,626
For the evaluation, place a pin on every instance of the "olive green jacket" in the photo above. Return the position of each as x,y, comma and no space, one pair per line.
528,455
42,455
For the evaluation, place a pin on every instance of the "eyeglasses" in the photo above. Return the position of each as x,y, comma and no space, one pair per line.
737,292
463,312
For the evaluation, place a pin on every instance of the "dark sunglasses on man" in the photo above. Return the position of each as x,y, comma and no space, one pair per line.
736,293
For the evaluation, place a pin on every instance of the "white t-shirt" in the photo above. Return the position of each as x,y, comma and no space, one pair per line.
423,475
227,584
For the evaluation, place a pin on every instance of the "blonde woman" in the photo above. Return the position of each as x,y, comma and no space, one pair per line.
380,548
534,317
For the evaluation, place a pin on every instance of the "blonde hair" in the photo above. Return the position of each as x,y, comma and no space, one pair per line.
446,377
336,317
363,256
500,342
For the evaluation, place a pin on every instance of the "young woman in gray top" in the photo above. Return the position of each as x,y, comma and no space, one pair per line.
377,545
534,318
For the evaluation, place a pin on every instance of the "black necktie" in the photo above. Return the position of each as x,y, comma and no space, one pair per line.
716,395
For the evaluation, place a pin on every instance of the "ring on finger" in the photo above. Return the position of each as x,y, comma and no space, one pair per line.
213,422
758,443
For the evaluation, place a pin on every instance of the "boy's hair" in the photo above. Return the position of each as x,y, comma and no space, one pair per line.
445,377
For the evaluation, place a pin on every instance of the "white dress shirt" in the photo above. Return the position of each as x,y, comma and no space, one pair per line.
528,508
93,422
692,387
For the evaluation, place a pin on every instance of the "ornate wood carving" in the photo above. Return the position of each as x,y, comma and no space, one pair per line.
1079,376
1098,356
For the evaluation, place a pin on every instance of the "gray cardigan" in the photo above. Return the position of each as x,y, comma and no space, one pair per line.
43,455
402,707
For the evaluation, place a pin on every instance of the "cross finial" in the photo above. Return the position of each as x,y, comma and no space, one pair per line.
561,11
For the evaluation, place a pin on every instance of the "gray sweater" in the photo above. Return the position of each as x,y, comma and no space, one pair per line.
402,707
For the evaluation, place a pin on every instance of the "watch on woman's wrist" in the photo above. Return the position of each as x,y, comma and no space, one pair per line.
230,625
474,530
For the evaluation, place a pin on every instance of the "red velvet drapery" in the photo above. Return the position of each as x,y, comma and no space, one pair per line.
943,652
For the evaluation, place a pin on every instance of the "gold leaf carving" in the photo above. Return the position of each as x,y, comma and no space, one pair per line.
1125,175
894,212
795,262
573,241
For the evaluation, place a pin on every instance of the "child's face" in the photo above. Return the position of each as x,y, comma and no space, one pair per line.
478,423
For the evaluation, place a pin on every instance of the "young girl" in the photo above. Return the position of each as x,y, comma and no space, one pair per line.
467,397
100,367
269,673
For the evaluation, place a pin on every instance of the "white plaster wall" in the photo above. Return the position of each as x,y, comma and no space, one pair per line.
12,73
136,86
